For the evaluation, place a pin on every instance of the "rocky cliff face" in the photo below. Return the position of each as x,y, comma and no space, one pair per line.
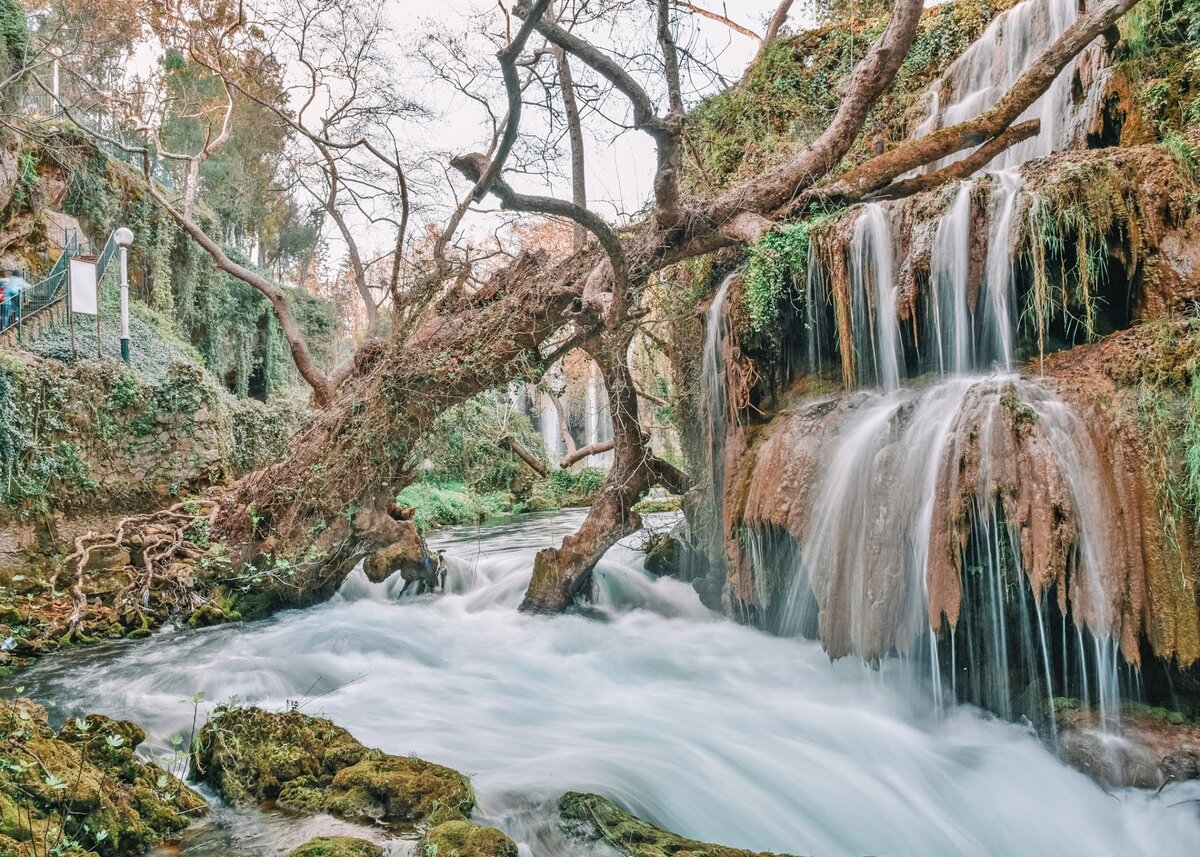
970,432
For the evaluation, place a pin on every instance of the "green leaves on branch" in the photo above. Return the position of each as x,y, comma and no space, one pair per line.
776,273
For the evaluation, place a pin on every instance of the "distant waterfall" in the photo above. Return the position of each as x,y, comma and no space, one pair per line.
599,421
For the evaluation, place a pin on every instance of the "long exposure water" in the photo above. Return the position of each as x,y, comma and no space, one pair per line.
706,727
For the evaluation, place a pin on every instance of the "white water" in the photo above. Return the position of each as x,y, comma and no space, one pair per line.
948,305
873,298
599,421
701,725
987,70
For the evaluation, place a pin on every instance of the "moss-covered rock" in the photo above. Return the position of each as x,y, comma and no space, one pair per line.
82,790
308,764
589,816
337,846
462,838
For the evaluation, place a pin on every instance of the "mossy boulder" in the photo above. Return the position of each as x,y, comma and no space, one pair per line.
337,846
460,838
82,788
589,816
308,764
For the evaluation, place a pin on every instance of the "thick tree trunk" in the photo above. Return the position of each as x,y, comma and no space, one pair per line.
560,574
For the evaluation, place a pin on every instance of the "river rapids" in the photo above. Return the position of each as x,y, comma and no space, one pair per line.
700,725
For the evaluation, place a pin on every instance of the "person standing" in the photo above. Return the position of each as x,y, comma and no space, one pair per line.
14,284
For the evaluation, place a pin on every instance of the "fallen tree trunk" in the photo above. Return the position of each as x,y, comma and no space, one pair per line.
329,501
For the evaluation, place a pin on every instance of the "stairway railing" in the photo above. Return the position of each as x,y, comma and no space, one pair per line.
52,288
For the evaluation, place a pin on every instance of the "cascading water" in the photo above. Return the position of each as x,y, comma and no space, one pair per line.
714,391
873,302
599,422
858,563
987,70
948,314
650,707
550,430
713,380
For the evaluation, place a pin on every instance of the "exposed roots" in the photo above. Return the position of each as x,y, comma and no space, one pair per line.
161,548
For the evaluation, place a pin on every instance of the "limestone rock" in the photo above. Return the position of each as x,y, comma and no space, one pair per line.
460,838
1148,749
308,765
337,846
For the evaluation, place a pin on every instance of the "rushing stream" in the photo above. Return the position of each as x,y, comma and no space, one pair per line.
703,726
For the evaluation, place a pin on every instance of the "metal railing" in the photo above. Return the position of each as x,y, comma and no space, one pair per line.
51,289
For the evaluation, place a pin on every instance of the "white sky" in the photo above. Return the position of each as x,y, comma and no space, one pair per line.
620,165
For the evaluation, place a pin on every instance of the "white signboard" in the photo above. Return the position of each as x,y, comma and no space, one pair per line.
84,296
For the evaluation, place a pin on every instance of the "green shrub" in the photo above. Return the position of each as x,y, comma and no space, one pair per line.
464,445
441,504
564,489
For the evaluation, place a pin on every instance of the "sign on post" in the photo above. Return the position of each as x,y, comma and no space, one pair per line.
82,279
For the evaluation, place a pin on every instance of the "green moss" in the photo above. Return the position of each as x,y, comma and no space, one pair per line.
404,788
1160,53
776,273
462,838
337,846
653,505
83,790
308,764
590,816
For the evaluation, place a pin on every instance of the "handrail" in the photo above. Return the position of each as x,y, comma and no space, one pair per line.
52,288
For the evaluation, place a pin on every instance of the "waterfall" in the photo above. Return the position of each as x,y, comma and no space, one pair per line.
712,375
548,419
715,402
599,422
951,326
987,70
868,570
874,550
873,307
999,294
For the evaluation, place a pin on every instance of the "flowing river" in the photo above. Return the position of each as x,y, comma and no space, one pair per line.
714,730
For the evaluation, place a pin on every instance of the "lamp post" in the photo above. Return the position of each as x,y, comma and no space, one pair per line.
124,237
55,52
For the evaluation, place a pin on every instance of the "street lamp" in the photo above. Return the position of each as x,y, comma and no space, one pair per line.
124,237
56,52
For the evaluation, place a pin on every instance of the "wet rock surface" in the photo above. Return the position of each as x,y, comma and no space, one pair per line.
82,791
307,765
466,839
1148,749
591,817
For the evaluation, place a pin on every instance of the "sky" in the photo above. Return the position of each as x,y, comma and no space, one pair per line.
620,165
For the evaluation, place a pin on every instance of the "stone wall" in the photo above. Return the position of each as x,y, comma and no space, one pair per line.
87,442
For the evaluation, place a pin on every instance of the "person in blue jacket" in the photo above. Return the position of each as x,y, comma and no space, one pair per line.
10,310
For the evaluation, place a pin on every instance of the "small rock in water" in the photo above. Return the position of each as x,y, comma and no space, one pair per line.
462,838
588,816
337,846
